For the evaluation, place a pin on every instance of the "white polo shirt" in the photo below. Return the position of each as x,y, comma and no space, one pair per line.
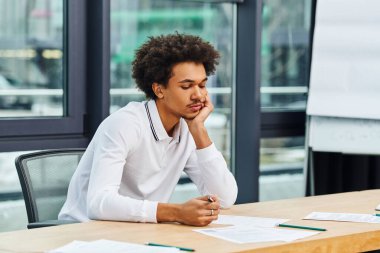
132,164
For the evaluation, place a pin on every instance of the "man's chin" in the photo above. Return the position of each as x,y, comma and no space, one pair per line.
190,116
187,117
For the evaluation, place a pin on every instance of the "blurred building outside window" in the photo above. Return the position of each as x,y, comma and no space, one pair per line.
31,58
285,54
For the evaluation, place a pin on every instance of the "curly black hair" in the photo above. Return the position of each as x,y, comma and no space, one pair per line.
155,59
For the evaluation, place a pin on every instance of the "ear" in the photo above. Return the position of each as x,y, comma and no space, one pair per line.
157,89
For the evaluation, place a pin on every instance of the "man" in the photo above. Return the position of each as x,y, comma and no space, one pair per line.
138,153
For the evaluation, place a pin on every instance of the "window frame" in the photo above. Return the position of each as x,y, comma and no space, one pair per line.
18,134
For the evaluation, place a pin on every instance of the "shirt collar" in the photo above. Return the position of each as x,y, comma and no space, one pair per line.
156,126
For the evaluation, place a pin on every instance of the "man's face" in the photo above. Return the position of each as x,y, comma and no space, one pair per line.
184,96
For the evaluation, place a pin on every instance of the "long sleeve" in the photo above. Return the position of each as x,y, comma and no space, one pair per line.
208,170
116,139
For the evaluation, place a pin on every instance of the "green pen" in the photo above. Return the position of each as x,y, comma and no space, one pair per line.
301,227
163,245
377,214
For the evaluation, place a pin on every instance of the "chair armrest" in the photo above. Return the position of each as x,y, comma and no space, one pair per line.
48,223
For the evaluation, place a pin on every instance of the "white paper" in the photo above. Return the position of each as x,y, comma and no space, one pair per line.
74,246
248,229
248,221
244,234
102,246
352,217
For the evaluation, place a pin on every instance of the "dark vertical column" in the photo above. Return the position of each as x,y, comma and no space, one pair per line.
98,63
248,100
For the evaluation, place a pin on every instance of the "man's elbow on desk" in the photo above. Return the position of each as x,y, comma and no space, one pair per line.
96,208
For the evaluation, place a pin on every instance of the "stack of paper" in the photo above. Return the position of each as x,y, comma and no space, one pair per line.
353,217
246,229
101,246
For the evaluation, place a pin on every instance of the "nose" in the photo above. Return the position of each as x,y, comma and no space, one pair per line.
197,93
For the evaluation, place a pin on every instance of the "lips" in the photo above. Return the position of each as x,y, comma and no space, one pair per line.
196,107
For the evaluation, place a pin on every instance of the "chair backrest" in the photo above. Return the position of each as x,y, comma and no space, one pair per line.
44,177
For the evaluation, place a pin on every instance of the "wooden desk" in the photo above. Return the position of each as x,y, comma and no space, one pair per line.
340,237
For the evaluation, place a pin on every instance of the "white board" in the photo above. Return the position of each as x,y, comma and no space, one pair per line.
345,68
345,135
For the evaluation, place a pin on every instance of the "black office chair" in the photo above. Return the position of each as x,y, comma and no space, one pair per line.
44,177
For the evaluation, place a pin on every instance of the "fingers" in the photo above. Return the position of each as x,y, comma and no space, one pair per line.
209,198
211,212
208,102
205,220
210,202
200,211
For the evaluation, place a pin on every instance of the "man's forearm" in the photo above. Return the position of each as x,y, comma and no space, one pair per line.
200,136
168,212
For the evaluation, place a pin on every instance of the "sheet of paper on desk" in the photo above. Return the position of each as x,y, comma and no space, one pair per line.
248,220
353,217
102,246
245,234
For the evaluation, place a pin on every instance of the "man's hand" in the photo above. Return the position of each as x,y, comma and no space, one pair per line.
197,127
199,211
195,212
207,108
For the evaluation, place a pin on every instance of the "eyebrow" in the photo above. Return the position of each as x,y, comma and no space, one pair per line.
192,81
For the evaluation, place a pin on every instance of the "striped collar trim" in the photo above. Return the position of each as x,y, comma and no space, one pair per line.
151,122
156,126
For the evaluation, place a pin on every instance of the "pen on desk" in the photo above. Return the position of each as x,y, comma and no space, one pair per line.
163,245
301,227
377,214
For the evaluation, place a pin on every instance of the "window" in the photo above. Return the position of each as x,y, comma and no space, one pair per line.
74,61
42,59
285,54
42,83
285,57
31,58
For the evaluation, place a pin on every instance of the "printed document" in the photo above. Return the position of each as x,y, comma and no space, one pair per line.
244,234
248,220
247,229
353,217
101,246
